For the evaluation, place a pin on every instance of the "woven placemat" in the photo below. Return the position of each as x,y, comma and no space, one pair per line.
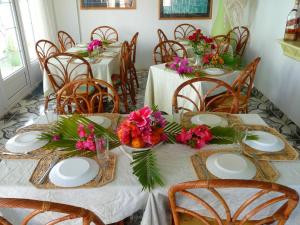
264,169
36,154
288,153
233,120
40,153
107,175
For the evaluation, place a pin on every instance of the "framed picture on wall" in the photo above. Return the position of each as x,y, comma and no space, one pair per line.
108,4
185,9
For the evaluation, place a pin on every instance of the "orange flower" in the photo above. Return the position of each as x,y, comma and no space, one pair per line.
155,138
137,142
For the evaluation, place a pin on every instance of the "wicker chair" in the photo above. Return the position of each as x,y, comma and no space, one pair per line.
216,90
125,79
183,31
166,51
65,41
161,36
87,97
243,86
286,197
40,207
224,44
106,33
241,37
133,47
45,49
63,68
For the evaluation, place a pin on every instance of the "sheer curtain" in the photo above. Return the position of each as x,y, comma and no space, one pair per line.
43,18
235,11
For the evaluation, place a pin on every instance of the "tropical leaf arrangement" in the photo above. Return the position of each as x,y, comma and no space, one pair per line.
63,136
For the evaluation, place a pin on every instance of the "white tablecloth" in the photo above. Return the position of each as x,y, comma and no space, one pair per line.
162,83
102,70
123,196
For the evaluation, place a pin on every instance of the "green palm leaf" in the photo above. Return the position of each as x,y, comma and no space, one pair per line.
145,167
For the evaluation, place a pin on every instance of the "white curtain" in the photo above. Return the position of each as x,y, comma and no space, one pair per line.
43,19
236,12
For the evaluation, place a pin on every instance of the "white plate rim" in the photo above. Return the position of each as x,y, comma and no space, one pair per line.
60,182
252,144
12,146
249,173
106,122
223,123
221,71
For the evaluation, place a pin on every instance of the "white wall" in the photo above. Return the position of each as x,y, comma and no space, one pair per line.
144,19
278,77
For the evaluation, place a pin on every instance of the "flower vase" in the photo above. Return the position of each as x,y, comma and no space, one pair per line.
198,60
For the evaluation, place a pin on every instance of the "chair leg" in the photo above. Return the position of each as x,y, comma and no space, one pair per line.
135,76
124,95
46,103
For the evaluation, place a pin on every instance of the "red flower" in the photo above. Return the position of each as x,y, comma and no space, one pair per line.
141,117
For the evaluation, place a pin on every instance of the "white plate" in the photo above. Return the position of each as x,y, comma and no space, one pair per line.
101,120
74,172
230,166
25,142
266,142
73,50
109,54
209,120
81,45
214,71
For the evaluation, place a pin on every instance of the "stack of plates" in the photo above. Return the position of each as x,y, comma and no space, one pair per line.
100,120
74,172
230,166
266,142
214,71
210,120
25,142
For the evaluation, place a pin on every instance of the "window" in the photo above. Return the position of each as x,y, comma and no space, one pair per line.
10,50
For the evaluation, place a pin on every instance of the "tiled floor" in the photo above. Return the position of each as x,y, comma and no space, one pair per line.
27,110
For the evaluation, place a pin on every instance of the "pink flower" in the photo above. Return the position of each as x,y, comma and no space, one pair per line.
94,44
91,127
141,117
56,138
79,145
81,131
184,136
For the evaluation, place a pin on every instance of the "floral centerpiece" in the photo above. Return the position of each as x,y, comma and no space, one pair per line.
94,46
180,65
214,60
142,129
201,44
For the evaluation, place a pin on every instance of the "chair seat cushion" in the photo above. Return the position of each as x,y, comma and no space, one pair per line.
226,102
82,89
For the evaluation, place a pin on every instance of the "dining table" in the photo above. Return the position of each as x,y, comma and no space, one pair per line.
103,67
124,195
162,83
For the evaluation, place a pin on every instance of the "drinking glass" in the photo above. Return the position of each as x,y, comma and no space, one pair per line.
102,150
177,116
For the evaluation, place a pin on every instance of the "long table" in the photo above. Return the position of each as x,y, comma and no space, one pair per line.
124,196
102,70
162,83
